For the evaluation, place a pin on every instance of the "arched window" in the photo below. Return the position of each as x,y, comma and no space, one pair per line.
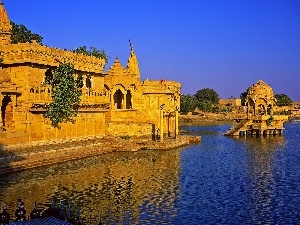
48,76
80,81
118,99
128,100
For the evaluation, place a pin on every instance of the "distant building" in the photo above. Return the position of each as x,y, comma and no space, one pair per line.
234,102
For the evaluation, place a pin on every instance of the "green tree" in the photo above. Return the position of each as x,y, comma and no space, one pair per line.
206,106
283,100
243,96
20,34
188,103
92,52
66,95
207,94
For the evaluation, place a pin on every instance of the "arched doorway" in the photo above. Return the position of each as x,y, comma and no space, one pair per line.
269,109
118,98
6,111
250,107
261,110
128,100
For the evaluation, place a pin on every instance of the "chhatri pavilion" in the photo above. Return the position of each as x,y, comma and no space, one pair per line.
260,119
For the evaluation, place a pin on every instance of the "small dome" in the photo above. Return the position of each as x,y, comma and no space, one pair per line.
260,90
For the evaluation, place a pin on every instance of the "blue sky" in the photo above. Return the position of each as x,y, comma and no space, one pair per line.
226,45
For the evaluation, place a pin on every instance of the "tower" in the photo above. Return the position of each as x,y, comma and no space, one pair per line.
133,65
5,27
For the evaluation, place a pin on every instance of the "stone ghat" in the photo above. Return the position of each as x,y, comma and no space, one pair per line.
15,158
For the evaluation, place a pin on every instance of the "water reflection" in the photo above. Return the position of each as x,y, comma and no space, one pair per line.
125,188
240,181
222,180
263,154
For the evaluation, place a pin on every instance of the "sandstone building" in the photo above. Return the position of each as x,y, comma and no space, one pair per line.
115,102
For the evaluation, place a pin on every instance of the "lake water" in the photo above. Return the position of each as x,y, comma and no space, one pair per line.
222,180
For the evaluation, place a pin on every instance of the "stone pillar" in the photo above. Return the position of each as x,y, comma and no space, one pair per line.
131,100
14,104
176,123
161,134
124,102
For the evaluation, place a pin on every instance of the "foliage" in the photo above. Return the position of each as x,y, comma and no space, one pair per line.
226,109
207,94
207,106
20,34
243,96
127,137
270,120
208,100
65,95
188,103
92,52
283,100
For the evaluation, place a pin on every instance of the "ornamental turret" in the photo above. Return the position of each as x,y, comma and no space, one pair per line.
133,65
5,27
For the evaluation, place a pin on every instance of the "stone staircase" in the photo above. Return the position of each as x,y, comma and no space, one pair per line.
234,131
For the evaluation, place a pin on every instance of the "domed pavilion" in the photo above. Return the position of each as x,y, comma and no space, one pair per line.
260,99
260,120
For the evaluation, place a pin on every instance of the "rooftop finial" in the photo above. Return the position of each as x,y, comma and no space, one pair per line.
131,45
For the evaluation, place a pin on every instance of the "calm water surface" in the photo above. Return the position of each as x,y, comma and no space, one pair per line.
219,181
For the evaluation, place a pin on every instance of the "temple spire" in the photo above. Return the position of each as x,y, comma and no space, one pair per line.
5,27
133,65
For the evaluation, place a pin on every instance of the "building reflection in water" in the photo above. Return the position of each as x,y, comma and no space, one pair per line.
263,153
125,188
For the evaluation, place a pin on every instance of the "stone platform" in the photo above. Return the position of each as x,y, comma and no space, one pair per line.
19,157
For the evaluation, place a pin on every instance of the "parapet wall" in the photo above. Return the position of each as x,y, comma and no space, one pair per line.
35,53
163,86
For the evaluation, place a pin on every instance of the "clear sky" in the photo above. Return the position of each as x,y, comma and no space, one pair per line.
226,45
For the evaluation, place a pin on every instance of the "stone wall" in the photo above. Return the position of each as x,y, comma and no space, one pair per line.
131,129
34,53
38,128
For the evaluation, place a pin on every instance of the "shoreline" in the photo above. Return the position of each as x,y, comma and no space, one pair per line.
219,117
14,158
18,157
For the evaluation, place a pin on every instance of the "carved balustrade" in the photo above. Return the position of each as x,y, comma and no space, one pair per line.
42,94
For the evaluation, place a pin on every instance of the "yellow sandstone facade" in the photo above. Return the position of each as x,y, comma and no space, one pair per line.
115,102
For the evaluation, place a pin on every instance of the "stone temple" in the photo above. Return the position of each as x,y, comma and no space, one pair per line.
115,102
260,119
